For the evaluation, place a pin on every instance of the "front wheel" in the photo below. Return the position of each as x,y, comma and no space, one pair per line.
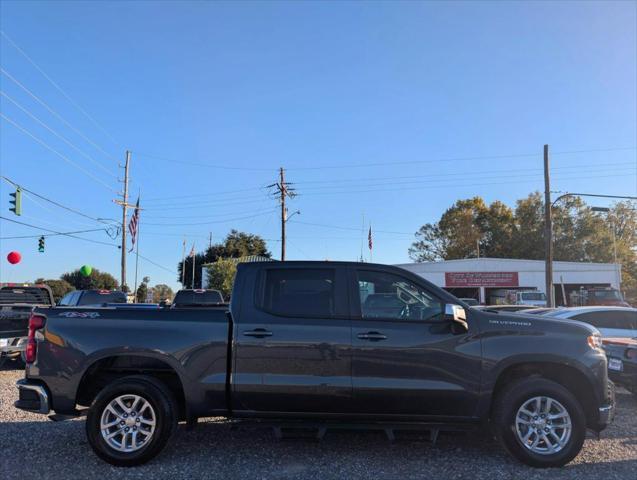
131,420
539,422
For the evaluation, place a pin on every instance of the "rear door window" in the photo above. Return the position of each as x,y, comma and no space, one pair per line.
299,292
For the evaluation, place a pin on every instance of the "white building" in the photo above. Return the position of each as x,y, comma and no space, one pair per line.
478,277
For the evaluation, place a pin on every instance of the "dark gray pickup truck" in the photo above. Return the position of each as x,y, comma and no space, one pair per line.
322,342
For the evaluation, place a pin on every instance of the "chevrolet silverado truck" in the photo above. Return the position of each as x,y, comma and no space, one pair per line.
16,303
320,343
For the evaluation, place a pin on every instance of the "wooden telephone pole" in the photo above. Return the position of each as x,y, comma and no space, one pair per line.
283,190
548,232
124,203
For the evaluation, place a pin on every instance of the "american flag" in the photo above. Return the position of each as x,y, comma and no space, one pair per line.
369,238
192,251
133,224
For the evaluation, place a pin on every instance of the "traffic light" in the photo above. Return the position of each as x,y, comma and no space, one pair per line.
41,245
16,201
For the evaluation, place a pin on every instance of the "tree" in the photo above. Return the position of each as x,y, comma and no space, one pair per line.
235,245
162,292
462,229
96,280
142,293
221,275
58,287
579,234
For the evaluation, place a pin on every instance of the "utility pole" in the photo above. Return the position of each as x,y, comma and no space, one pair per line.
124,204
548,232
283,212
283,190
210,241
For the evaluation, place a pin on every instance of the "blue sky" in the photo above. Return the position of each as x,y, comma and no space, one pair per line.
388,110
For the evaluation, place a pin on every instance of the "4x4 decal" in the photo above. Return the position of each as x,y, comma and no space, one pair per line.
79,314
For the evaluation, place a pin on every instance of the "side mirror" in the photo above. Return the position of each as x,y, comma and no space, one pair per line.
457,314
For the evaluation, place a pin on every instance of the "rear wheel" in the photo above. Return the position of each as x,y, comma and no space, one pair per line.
131,420
539,422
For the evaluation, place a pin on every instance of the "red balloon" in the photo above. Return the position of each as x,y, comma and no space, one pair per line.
14,257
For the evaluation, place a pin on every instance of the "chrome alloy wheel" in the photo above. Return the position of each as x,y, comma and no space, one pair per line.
543,425
128,423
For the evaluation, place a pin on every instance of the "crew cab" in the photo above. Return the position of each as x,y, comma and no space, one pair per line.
320,342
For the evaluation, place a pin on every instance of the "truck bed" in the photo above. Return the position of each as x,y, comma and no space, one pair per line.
191,342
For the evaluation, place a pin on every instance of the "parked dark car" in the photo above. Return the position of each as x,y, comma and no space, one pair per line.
301,342
92,298
622,361
197,298
16,303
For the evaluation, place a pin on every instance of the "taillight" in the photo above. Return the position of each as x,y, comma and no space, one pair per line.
631,353
36,322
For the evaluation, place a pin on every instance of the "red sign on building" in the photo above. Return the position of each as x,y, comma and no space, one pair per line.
481,279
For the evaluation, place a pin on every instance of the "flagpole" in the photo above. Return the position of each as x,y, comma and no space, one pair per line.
183,265
194,261
137,249
362,237
371,243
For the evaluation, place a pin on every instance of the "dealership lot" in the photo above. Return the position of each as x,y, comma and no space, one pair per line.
32,446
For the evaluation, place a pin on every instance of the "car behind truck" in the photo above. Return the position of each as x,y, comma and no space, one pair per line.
325,342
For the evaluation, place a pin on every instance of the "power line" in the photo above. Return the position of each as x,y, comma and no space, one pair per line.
509,176
62,156
456,174
337,227
59,89
61,137
59,233
214,217
157,264
458,159
210,222
53,234
453,184
198,164
53,202
196,195
54,113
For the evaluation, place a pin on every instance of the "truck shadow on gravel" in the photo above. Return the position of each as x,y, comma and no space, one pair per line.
216,448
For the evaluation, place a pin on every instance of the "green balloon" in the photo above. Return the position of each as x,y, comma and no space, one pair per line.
86,270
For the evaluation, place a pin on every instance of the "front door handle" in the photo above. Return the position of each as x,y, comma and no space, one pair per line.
258,333
372,336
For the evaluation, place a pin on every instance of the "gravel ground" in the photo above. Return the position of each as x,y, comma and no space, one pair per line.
31,446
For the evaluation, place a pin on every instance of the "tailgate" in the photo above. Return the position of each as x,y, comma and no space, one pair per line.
14,321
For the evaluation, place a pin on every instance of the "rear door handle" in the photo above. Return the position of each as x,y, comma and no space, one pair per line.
372,336
258,333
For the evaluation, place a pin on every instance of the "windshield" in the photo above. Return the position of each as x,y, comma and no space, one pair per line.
606,294
533,296
99,297
198,297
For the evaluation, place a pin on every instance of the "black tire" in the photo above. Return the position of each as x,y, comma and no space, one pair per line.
505,410
166,412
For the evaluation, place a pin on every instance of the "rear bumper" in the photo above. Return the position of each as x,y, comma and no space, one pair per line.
33,397
13,345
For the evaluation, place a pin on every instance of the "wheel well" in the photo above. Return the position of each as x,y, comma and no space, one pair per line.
104,371
569,377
